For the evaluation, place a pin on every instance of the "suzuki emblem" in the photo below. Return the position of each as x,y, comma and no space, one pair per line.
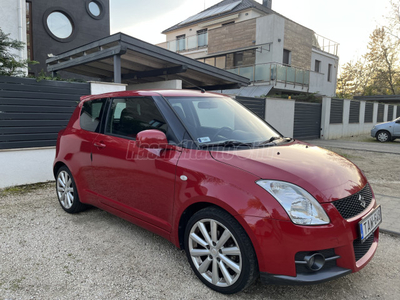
362,201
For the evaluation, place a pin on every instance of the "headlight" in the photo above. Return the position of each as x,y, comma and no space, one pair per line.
301,207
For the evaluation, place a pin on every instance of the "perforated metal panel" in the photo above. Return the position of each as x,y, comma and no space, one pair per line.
369,112
354,116
307,120
390,113
336,116
381,111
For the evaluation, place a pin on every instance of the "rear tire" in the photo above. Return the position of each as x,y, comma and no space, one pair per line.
219,251
67,193
383,136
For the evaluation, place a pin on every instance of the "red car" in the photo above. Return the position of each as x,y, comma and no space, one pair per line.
205,173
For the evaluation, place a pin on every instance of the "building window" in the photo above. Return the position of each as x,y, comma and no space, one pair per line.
220,62
95,9
60,25
317,67
180,42
286,57
29,37
202,38
229,23
238,59
329,72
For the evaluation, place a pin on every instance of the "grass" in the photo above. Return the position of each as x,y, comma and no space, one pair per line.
24,189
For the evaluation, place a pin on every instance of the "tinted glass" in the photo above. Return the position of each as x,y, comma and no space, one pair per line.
91,114
128,116
212,120
59,25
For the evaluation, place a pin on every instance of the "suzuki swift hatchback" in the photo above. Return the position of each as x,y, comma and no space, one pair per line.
205,173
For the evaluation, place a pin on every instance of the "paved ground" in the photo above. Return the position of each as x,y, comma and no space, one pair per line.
46,253
390,204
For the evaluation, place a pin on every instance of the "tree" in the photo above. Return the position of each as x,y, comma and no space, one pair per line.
10,64
354,78
382,55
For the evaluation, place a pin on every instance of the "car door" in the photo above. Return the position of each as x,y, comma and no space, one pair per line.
137,181
90,122
396,129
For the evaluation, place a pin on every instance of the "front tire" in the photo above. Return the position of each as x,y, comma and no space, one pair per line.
67,193
219,251
383,136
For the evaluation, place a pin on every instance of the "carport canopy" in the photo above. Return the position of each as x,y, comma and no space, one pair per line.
121,58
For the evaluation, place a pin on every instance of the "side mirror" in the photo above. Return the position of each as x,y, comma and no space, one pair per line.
152,139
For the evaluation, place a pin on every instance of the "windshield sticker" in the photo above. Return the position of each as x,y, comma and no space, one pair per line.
204,139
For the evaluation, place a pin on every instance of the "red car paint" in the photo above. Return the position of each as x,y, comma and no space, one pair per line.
143,186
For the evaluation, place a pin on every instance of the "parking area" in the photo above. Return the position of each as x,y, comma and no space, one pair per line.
46,253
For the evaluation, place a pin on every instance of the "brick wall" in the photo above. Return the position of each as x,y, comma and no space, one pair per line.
232,36
298,40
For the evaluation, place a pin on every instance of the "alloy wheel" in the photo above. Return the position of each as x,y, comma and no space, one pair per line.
65,189
215,252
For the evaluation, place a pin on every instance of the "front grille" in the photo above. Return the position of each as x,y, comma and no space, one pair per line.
360,249
351,206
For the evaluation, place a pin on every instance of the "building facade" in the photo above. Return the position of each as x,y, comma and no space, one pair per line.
250,39
51,27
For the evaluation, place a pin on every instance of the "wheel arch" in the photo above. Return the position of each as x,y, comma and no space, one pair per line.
197,206
57,167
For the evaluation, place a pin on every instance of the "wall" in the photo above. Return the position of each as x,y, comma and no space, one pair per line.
319,80
298,39
280,114
86,28
162,85
19,167
13,22
97,87
32,165
238,35
269,30
336,131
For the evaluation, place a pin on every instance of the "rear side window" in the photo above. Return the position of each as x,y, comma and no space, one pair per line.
91,114
129,116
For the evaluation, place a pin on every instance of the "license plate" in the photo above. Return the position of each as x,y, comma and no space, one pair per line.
369,223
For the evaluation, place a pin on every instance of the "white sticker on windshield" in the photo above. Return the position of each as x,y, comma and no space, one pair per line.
204,139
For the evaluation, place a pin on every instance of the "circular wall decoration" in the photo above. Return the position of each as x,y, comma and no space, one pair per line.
95,9
59,24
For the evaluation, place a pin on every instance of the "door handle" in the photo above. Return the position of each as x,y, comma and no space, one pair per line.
99,145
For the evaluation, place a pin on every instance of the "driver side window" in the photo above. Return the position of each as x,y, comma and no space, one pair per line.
129,116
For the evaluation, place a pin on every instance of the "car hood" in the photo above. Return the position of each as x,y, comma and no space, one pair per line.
324,174
385,123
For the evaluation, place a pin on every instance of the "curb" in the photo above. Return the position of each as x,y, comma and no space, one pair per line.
390,232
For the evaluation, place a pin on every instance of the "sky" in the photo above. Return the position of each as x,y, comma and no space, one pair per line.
348,22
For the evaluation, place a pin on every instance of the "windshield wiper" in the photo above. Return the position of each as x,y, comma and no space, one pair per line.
271,142
227,144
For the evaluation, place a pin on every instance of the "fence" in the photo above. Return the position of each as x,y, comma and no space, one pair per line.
341,117
32,113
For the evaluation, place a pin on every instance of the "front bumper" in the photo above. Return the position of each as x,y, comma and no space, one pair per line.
279,243
303,279
373,132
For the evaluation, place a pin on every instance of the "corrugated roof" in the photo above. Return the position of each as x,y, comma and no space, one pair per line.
245,4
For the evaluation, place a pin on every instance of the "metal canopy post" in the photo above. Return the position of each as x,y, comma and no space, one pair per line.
117,68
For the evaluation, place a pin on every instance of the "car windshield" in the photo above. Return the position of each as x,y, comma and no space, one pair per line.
221,120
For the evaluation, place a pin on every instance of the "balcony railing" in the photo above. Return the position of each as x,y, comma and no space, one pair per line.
188,43
325,44
275,72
